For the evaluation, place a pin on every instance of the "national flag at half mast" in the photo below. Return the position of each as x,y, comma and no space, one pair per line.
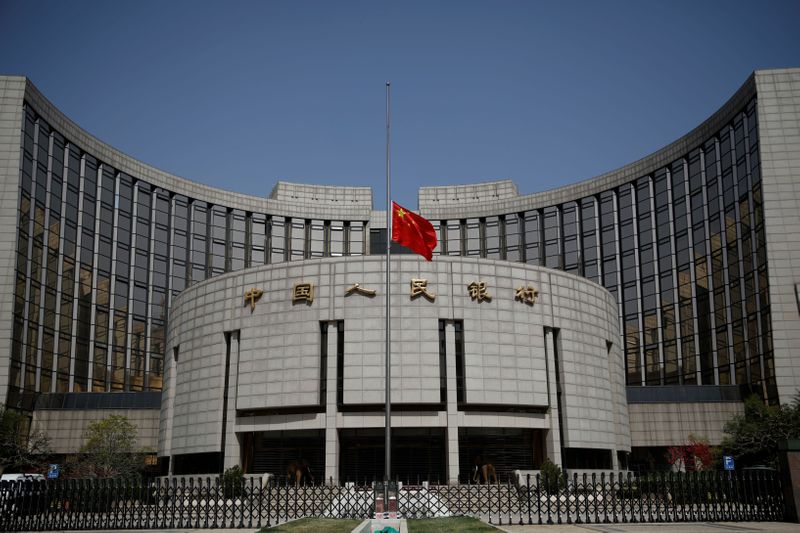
413,231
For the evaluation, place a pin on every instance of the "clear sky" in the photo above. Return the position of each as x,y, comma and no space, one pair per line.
241,94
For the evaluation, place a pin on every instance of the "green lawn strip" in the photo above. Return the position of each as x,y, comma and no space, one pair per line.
315,525
461,524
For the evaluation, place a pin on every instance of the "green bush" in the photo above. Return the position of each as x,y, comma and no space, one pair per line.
551,478
233,482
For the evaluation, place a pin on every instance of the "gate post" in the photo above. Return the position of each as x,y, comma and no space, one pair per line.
789,456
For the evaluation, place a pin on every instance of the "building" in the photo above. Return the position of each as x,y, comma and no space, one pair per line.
623,312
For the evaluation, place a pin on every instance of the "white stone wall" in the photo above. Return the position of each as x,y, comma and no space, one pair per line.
505,359
198,332
587,368
12,90
779,131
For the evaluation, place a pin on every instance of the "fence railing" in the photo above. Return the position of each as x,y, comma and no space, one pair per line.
206,502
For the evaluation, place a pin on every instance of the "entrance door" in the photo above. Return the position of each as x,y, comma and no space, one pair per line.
418,454
274,450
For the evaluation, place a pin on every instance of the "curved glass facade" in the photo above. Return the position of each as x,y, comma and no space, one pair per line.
101,254
682,249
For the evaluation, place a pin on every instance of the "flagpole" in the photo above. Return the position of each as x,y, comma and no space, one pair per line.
388,412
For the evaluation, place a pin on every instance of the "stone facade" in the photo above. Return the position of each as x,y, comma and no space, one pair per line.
274,361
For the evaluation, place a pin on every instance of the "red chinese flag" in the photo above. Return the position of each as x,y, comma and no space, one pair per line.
413,231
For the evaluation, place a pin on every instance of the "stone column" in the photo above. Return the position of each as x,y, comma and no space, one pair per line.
167,403
553,437
232,449
331,434
452,405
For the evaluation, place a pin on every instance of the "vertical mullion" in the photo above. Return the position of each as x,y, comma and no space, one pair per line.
93,285
112,292
76,281
59,266
149,305
131,285
44,254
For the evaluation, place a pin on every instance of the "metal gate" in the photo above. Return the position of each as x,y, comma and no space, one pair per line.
210,503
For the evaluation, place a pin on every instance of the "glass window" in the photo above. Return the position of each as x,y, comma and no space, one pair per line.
513,233
570,228
632,343
298,239
552,238
492,237
277,240
590,244
337,238
608,238
317,234
197,241
473,237
237,240
219,231
453,233
258,239
356,238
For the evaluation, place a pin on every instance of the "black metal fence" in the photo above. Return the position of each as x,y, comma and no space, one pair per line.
208,503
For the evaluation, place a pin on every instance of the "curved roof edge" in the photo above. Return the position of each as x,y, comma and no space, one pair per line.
355,203
322,206
454,201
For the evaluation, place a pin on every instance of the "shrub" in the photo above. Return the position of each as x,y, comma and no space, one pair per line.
233,482
695,456
551,478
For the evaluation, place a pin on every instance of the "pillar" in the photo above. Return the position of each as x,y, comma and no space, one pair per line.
331,433
452,405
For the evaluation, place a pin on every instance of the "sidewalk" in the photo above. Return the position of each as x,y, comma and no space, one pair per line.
686,527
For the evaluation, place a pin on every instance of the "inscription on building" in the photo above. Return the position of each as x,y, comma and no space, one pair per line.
478,291
252,296
303,292
356,288
526,294
419,287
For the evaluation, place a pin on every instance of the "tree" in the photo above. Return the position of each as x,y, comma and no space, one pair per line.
110,449
754,436
692,457
20,449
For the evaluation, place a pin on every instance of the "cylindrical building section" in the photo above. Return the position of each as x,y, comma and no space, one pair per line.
275,365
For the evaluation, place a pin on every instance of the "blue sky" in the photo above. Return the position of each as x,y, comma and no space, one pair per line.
242,94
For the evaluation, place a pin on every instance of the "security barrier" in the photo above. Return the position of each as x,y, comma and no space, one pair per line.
206,502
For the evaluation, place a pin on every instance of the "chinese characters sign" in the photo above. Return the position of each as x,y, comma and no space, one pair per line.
419,287
478,291
252,296
526,294
356,288
303,292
